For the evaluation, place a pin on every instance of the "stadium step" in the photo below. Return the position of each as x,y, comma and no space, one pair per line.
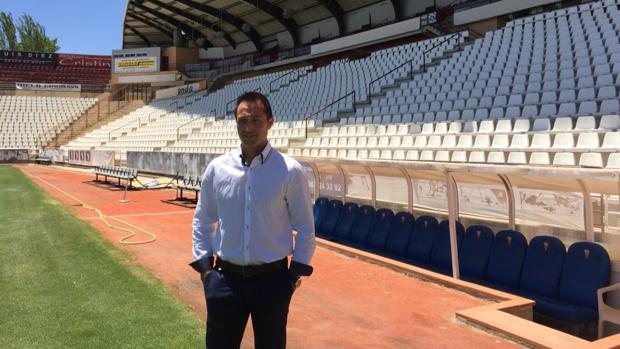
396,85
95,117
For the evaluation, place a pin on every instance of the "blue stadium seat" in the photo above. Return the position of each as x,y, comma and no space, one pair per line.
363,223
475,250
441,256
421,243
542,267
320,206
377,237
400,233
506,260
348,216
330,218
586,268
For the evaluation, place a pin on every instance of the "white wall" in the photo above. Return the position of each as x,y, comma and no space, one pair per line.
325,29
377,14
211,53
392,31
242,48
496,9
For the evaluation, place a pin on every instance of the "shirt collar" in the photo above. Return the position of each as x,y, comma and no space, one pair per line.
263,155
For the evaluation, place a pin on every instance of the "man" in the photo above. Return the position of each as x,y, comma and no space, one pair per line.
251,200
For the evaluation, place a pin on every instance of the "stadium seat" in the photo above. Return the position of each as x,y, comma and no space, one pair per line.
377,237
421,243
542,267
348,217
363,224
320,208
400,233
330,217
506,260
441,256
586,269
474,251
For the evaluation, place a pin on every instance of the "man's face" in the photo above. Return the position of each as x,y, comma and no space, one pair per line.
253,123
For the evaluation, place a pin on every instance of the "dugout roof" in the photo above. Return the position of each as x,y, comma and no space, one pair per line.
218,23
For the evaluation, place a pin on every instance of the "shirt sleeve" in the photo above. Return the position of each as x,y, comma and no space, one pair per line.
204,217
300,211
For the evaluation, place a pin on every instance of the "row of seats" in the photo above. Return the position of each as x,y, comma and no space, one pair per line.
536,158
447,111
561,141
563,283
387,126
55,74
31,122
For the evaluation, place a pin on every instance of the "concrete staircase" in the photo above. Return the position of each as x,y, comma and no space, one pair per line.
103,112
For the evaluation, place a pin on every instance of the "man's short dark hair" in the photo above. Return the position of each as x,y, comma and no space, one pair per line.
254,96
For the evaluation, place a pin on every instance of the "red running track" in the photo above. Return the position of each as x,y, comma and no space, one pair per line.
347,303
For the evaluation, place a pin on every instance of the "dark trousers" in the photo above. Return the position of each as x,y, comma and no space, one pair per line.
232,298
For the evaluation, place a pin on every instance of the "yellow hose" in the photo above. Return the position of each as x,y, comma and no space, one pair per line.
105,218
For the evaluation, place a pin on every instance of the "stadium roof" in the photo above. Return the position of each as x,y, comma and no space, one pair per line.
219,23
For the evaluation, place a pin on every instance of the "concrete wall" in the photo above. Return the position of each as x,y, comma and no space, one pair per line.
392,31
496,9
376,14
169,163
48,93
178,57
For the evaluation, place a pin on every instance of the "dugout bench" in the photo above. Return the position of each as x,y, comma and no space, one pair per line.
120,173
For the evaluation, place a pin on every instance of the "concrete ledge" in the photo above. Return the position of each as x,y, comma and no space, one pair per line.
509,315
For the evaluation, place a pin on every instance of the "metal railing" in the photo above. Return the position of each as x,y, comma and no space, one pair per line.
369,91
187,123
457,34
325,107
411,62
283,76
123,126
185,100
175,103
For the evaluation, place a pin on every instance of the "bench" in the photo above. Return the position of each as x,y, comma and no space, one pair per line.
43,160
190,183
120,173
563,282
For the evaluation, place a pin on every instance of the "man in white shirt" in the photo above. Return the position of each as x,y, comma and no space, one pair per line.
250,202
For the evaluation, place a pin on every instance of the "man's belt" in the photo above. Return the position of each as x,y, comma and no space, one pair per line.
250,270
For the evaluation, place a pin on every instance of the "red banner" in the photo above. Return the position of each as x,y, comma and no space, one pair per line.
85,61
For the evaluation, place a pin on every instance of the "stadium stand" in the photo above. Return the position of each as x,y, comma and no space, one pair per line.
492,102
30,122
91,75
540,92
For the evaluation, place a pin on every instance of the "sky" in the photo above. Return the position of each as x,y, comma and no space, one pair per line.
81,26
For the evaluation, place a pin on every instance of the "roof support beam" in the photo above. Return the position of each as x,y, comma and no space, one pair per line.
133,30
396,4
334,8
178,11
278,14
175,23
228,18
150,23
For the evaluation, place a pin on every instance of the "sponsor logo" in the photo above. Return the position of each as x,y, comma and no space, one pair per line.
85,61
186,89
28,57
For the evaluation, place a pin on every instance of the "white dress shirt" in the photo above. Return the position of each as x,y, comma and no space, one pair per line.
256,208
